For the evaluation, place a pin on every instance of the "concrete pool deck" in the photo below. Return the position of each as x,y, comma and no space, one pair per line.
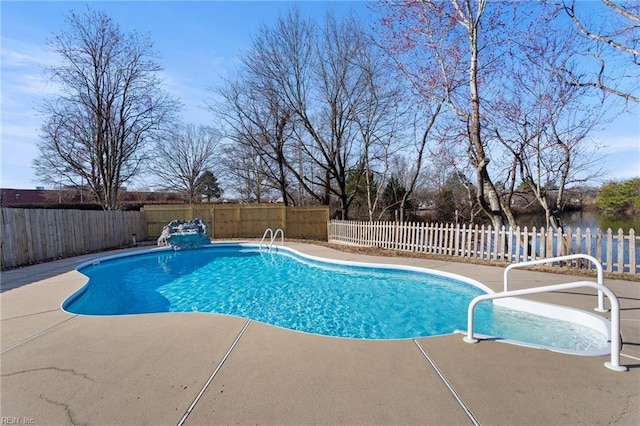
59,368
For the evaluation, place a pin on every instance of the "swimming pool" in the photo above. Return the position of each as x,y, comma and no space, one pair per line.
288,289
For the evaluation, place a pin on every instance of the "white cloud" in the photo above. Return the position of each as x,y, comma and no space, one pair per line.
612,144
24,86
18,54
18,152
13,131
619,162
618,147
32,84
620,165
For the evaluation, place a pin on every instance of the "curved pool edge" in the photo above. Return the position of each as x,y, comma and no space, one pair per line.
559,312
97,260
577,316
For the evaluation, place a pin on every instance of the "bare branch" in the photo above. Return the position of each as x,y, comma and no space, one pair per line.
599,37
97,133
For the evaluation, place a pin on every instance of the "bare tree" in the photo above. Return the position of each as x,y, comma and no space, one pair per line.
186,153
97,131
243,172
323,79
258,121
381,115
613,41
490,65
544,122
413,173
438,47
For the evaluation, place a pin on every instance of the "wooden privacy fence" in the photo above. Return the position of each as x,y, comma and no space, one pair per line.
616,250
243,220
35,235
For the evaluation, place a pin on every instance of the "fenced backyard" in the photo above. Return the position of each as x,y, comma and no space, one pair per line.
36,235
243,220
616,250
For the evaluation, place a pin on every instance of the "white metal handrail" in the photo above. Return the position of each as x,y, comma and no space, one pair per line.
266,232
599,308
614,364
274,235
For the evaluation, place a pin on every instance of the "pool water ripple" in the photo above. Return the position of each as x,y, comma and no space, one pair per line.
289,291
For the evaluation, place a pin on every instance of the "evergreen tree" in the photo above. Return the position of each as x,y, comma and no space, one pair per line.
393,195
207,186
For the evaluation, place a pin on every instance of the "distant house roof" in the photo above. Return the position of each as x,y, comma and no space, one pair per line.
49,197
9,197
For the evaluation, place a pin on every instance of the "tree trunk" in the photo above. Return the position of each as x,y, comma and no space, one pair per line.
488,197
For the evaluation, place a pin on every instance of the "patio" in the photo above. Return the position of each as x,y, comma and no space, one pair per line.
58,368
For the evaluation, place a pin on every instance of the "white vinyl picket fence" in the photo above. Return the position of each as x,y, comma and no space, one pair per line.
617,251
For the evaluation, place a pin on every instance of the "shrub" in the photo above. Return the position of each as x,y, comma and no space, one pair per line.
620,197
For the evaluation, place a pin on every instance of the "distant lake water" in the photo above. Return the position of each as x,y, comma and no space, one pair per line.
584,220
594,221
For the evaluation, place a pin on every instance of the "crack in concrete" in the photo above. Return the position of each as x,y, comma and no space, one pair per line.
625,412
66,408
61,370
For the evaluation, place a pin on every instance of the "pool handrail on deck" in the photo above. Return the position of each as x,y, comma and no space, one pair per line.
598,265
614,364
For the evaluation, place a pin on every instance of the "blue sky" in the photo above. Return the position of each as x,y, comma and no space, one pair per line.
197,42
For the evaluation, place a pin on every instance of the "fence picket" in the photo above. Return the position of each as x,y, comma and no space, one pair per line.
620,263
549,250
445,238
531,243
632,252
496,242
507,250
609,250
517,250
475,240
561,246
484,242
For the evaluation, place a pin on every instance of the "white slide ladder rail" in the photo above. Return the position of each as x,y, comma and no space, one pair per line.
273,235
266,232
614,364
599,308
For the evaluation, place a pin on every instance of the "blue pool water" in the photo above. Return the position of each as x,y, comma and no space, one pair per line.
291,291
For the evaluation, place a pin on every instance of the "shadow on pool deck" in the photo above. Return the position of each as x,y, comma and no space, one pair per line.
14,278
59,368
